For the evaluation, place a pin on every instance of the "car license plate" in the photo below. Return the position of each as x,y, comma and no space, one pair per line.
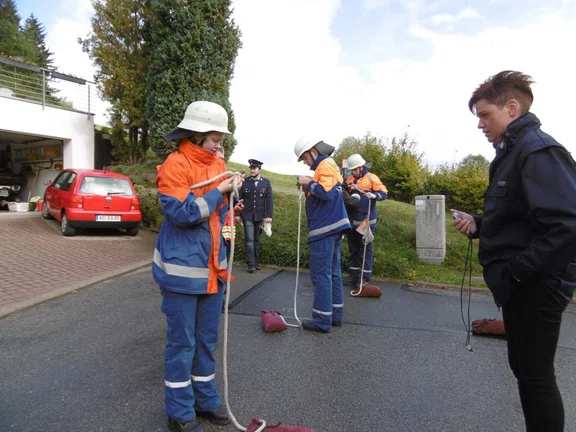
3,192
105,218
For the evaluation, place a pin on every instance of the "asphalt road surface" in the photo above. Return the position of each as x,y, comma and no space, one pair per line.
92,361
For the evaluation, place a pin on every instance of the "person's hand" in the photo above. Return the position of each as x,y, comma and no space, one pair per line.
370,195
228,184
239,206
237,219
303,181
466,225
267,220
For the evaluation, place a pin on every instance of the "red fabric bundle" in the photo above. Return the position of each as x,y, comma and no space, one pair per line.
368,290
255,424
273,321
487,326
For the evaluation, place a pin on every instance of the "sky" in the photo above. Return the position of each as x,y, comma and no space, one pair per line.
339,68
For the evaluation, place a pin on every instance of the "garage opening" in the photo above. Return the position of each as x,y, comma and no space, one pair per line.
27,165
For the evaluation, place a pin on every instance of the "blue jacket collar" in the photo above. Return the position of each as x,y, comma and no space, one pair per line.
518,128
319,159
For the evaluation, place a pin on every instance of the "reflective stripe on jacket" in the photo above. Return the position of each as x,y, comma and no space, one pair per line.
325,208
188,257
368,182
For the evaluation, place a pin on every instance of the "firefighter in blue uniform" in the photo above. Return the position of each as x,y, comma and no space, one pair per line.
190,265
258,200
327,223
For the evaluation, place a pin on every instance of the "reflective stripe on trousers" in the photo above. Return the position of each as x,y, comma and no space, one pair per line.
326,276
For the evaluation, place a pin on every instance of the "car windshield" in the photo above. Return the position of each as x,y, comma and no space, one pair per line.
106,186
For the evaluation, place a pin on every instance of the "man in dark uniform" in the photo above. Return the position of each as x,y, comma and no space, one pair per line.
258,201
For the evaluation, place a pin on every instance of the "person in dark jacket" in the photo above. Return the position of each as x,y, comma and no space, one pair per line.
258,201
527,239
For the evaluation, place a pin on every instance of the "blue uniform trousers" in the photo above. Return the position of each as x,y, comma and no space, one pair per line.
192,323
356,248
326,276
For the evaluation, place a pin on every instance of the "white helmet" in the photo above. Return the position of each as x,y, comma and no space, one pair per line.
306,143
355,161
201,116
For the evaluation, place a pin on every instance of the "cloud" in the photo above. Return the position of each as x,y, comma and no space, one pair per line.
74,21
290,79
467,13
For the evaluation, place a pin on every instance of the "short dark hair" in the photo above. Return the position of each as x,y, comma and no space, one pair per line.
502,87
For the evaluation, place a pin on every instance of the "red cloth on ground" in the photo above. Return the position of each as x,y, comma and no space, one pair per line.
273,321
255,424
368,290
487,326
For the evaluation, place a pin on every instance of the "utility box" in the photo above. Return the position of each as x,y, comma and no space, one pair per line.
431,228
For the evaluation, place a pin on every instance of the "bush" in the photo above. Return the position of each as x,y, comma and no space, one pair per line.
149,204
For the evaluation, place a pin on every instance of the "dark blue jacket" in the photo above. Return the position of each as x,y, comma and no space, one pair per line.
528,228
258,199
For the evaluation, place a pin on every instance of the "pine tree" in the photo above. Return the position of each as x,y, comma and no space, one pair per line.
193,47
35,31
12,41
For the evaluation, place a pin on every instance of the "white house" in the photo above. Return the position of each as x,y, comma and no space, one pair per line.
46,123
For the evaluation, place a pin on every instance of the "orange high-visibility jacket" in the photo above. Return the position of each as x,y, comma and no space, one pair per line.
190,255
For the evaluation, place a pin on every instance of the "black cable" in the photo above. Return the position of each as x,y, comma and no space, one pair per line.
467,268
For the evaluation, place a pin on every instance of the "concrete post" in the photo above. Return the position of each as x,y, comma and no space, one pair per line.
431,228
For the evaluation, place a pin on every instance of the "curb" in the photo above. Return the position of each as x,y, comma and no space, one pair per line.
41,298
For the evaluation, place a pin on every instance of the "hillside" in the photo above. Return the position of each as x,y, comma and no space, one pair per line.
394,247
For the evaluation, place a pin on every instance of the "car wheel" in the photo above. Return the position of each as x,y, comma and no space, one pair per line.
132,231
45,213
67,230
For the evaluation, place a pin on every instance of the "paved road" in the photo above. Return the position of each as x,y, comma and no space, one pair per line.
38,263
92,361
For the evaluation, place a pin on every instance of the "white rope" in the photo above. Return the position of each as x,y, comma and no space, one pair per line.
300,199
365,239
233,194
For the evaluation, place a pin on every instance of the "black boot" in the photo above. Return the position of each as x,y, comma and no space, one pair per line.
177,426
219,416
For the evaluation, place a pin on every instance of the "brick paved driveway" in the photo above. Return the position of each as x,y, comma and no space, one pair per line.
38,263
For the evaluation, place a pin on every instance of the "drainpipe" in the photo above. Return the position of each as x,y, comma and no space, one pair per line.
43,88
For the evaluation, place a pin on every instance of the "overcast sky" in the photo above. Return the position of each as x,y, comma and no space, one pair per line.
339,68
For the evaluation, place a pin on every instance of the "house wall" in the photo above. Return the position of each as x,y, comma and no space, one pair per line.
74,130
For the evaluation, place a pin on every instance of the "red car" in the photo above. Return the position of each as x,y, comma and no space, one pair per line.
86,198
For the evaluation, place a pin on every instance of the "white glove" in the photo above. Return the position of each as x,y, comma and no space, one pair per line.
266,227
370,195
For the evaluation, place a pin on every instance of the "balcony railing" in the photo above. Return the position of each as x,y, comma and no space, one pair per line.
47,87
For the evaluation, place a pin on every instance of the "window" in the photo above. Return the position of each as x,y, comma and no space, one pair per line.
61,179
67,183
106,186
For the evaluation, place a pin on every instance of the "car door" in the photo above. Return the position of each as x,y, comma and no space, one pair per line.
56,199
51,193
65,191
